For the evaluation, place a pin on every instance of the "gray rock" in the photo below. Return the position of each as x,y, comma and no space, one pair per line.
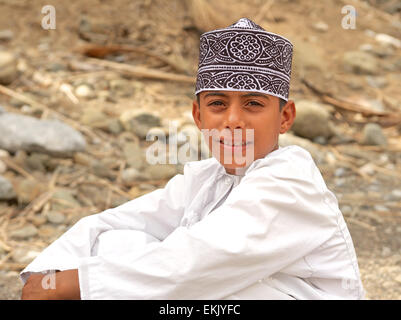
395,195
114,126
340,172
340,182
387,40
397,64
25,232
346,209
139,122
37,161
64,199
133,155
321,26
24,255
85,91
118,201
386,251
312,120
4,153
6,189
143,123
373,135
377,82
131,175
3,167
121,87
392,7
360,62
94,118
320,140
354,84
368,169
375,105
8,67
47,231
381,208
379,51
56,67
55,217
19,132
6,35
102,170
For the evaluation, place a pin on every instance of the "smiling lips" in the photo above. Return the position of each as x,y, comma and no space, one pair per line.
233,144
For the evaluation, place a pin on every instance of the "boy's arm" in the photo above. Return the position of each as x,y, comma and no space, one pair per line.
65,287
157,214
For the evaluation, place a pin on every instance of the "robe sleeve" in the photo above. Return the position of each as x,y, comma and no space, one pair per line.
275,216
152,216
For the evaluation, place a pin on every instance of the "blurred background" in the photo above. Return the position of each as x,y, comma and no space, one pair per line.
82,85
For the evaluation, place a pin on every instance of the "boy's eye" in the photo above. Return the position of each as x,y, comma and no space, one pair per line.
255,103
216,103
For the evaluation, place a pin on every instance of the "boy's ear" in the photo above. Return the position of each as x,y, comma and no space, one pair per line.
287,116
196,114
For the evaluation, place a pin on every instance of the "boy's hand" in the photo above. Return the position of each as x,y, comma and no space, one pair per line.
65,286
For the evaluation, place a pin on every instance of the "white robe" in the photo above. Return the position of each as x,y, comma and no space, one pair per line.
274,233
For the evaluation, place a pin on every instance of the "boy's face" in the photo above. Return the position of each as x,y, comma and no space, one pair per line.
246,125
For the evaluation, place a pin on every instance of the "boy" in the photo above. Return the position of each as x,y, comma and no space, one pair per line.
255,221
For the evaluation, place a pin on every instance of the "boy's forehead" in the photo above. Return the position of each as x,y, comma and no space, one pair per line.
232,94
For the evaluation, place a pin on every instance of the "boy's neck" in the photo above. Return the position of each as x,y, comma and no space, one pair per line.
237,171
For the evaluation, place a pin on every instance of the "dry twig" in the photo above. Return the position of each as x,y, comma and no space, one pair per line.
385,118
101,51
10,163
143,72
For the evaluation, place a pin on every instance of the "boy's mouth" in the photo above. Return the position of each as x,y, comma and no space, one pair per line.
234,143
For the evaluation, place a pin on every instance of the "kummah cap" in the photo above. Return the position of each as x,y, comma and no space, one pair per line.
244,57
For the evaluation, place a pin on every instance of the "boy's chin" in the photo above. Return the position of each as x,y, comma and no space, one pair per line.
236,169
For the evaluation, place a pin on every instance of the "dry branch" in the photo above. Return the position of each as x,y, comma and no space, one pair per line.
385,118
10,163
101,51
143,72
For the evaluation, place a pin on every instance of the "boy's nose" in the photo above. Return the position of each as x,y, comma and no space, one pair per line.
234,119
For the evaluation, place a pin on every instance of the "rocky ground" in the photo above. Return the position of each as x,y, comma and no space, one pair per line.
77,102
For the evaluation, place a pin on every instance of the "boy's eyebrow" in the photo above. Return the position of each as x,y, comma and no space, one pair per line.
215,94
255,94
249,94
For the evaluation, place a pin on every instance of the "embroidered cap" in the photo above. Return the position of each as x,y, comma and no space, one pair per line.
244,57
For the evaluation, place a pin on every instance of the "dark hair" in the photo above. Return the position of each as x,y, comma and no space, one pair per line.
282,102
